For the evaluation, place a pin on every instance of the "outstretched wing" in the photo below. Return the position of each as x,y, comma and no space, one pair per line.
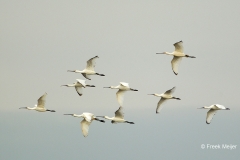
178,46
41,101
79,90
175,64
119,113
120,97
124,84
88,116
159,107
210,115
87,76
91,63
170,91
82,82
85,127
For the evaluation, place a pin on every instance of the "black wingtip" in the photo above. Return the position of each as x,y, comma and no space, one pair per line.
79,94
207,122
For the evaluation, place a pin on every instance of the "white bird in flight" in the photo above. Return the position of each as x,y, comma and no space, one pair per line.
89,70
87,120
79,85
122,88
40,107
119,117
177,56
213,110
164,96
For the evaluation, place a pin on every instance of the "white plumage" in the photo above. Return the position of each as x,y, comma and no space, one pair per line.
164,96
119,117
177,56
40,107
89,70
213,110
87,120
122,88
79,85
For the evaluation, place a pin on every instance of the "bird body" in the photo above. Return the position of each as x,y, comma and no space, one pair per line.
213,110
115,119
89,70
87,120
177,56
122,87
79,85
119,117
36,108
40,107
164,96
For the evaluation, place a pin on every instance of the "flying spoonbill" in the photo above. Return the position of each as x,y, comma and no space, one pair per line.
79,85
164,96
213,110
177,56
87,120
40,107
121,90
89,70
119,117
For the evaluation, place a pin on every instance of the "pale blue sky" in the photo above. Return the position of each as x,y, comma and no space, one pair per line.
41,40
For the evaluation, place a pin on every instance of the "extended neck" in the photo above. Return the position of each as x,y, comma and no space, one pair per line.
28,108
167,53
76,71
31,108
69,85
109,118
205,107
157,95
75,115
112,87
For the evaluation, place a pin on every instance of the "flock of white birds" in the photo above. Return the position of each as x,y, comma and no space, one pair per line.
122,88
